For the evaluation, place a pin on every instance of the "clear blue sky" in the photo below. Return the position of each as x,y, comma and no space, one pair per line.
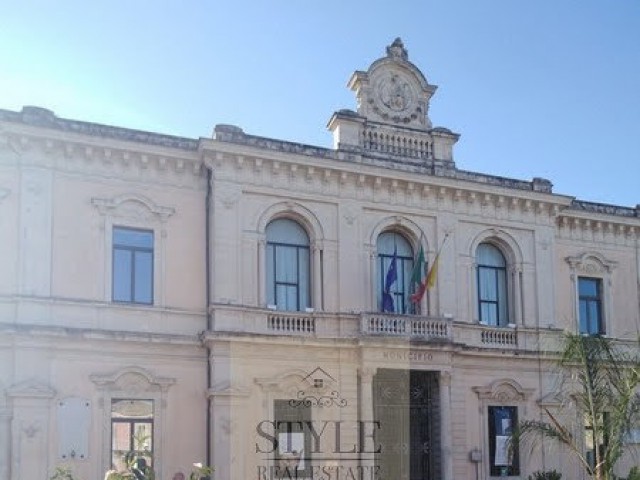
546,88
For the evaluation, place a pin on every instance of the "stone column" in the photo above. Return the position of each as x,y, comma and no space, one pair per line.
517,298
316,285
574,299
445,425
474,315
373,279
5,442
367,416
262,273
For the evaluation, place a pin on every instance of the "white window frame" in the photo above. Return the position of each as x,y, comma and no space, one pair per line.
596,266
311,224
602,323
138,213
132,265
500,393
299,284
133,383
508,307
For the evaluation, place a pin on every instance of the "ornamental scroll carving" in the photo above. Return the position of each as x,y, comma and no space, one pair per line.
505,390
591,263
133,380
133,206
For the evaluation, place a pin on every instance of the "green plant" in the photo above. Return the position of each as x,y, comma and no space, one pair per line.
634,474
545,475
201,472
598,382
136,468
62,473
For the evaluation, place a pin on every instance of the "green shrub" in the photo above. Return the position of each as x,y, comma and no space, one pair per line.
62,473
546,475
634,474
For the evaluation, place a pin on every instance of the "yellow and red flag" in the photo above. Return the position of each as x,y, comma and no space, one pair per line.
430,279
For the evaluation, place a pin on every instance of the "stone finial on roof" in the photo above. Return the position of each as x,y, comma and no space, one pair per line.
397,50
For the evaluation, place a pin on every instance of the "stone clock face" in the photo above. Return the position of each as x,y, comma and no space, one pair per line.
395,97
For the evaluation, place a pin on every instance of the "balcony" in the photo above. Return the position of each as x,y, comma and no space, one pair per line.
413,326
291,323
231,319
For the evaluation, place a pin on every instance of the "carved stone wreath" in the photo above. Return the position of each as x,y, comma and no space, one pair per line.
395,98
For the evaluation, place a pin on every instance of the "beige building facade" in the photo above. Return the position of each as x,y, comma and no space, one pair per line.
255,303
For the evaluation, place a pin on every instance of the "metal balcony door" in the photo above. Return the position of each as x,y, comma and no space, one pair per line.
406,405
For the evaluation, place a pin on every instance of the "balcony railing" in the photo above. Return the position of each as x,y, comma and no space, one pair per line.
499,336
405,325
291,323
328,325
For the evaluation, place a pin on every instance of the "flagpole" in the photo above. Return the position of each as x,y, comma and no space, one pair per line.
429,280
435,260
420,264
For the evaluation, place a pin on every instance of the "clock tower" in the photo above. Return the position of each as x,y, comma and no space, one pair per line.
392,118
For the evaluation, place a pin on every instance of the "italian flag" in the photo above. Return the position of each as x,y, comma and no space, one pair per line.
430,279
428,283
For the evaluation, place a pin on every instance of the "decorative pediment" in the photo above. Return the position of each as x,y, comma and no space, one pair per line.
591,263
505,390
134,380
551,399
227,390
316,388
31,389
132,206
294,381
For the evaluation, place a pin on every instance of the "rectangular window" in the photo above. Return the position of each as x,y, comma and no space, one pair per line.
294,438
132,266
503,454
131,432
590,306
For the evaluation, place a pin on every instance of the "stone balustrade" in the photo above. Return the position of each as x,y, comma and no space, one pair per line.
233,319
396,143
291,323
499,336
405,325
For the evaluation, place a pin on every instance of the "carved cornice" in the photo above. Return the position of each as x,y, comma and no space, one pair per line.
295,175
32,116
86,154
598,228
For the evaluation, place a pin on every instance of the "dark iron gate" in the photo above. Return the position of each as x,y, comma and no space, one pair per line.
406,403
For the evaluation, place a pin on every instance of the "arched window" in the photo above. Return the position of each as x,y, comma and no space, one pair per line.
288,271
394,288
492,285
